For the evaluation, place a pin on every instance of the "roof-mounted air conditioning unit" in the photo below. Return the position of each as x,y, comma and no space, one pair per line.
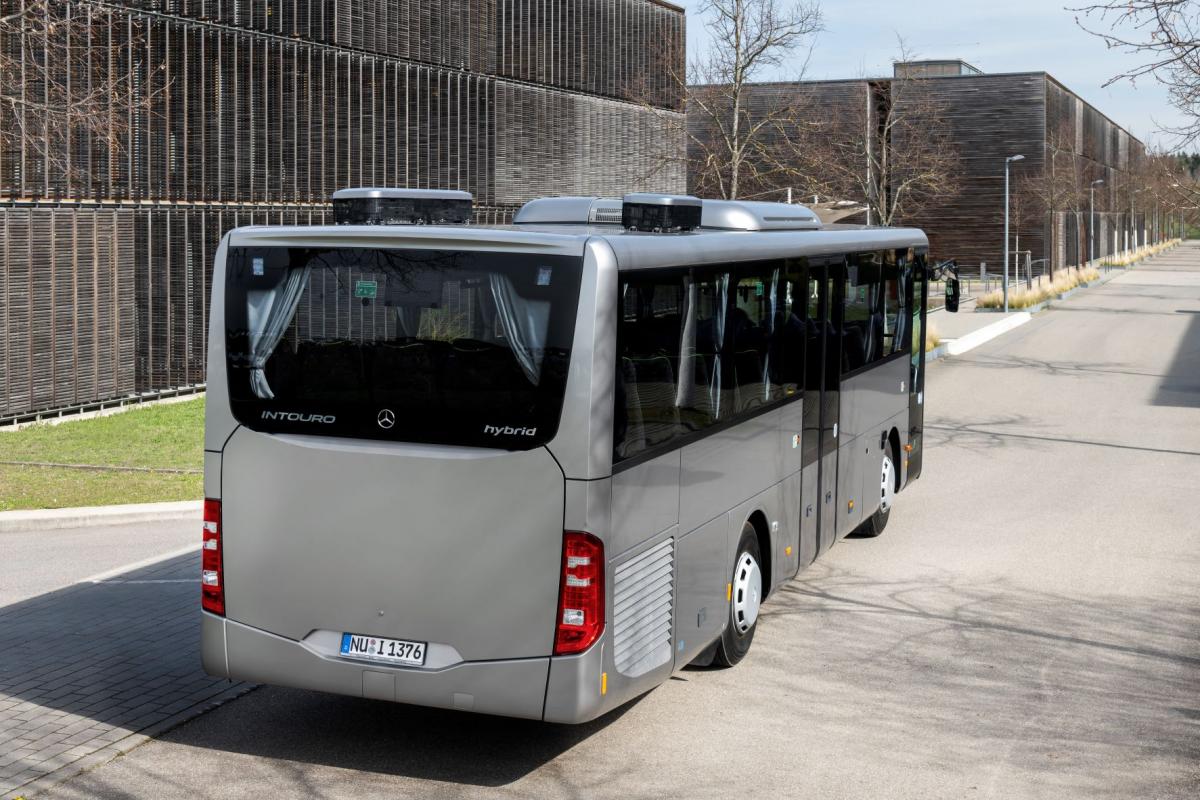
374,206
660,213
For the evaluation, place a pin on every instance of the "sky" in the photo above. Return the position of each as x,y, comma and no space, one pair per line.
860,38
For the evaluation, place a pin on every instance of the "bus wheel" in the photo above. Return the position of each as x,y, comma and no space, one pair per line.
745,595
887,496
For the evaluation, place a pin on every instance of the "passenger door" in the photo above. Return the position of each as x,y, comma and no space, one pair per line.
916,397
827,280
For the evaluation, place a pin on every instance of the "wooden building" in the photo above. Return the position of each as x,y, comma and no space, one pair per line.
988,117
250,112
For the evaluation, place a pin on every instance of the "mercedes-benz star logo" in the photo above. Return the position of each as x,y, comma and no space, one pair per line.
386,418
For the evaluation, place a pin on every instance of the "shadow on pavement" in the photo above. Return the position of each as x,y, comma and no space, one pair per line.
101,660
1181,385
85,666
385,738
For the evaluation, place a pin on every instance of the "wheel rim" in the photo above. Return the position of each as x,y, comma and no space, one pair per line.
747,593
887,485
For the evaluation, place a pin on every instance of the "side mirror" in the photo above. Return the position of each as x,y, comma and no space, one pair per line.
953,294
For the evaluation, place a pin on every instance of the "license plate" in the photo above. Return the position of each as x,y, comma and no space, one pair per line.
393,651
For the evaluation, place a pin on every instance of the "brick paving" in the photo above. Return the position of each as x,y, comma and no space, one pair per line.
91,669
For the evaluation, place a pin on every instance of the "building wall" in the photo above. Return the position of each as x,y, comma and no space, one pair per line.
259,110
66,306
990,117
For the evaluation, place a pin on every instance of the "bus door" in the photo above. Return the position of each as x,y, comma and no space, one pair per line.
916,396
829,282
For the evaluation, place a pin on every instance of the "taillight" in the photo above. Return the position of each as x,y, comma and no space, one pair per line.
581,594
212,575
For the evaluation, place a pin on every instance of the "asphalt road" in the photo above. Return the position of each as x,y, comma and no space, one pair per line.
1027,627
41,561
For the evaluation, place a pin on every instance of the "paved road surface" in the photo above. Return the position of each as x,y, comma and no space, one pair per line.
1026,628
42,561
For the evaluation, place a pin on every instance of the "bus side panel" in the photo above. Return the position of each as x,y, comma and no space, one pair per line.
727,468
880,393
849,504
700,588
589,507
583,445
809,508
645,502
218,417
791,457
787,538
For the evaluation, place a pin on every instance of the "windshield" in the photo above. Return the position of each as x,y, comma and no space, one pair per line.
440,346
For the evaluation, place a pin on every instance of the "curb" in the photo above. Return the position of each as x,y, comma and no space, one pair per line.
956,347
89,516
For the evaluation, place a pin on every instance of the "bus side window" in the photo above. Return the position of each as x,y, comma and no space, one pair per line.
790,338
751,331
894,306
873,303
648,362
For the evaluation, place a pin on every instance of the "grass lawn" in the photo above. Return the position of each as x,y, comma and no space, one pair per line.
162,436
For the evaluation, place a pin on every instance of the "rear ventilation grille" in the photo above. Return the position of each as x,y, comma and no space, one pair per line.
605,213
643,609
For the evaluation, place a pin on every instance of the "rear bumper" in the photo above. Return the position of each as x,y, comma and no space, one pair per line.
515,688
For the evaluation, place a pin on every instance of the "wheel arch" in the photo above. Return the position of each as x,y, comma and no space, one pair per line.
898,465
762,530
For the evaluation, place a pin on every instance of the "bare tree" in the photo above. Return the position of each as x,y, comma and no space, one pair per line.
1166,34
891,147
727,130
68,84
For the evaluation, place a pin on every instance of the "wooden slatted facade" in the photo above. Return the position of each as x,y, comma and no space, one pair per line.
261,109
991,117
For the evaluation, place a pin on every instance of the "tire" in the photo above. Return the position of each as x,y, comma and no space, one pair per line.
745,596
889,478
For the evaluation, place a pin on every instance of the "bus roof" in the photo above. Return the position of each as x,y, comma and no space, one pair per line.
633,250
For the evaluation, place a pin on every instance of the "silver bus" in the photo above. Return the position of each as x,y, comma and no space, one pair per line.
533,469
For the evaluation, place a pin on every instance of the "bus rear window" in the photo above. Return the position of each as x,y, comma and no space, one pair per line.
437,346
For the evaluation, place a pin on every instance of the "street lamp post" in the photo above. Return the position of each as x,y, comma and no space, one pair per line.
1007,161
1092,230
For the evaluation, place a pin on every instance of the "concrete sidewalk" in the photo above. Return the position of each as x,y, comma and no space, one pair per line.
61,518
966,330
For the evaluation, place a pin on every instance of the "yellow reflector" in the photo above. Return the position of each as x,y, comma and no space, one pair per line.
851,505
603,683
787,550
728,592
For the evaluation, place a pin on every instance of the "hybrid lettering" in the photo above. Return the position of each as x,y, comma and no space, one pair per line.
496,430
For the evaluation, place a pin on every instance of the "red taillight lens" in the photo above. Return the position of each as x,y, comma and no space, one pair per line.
212,575
581,596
